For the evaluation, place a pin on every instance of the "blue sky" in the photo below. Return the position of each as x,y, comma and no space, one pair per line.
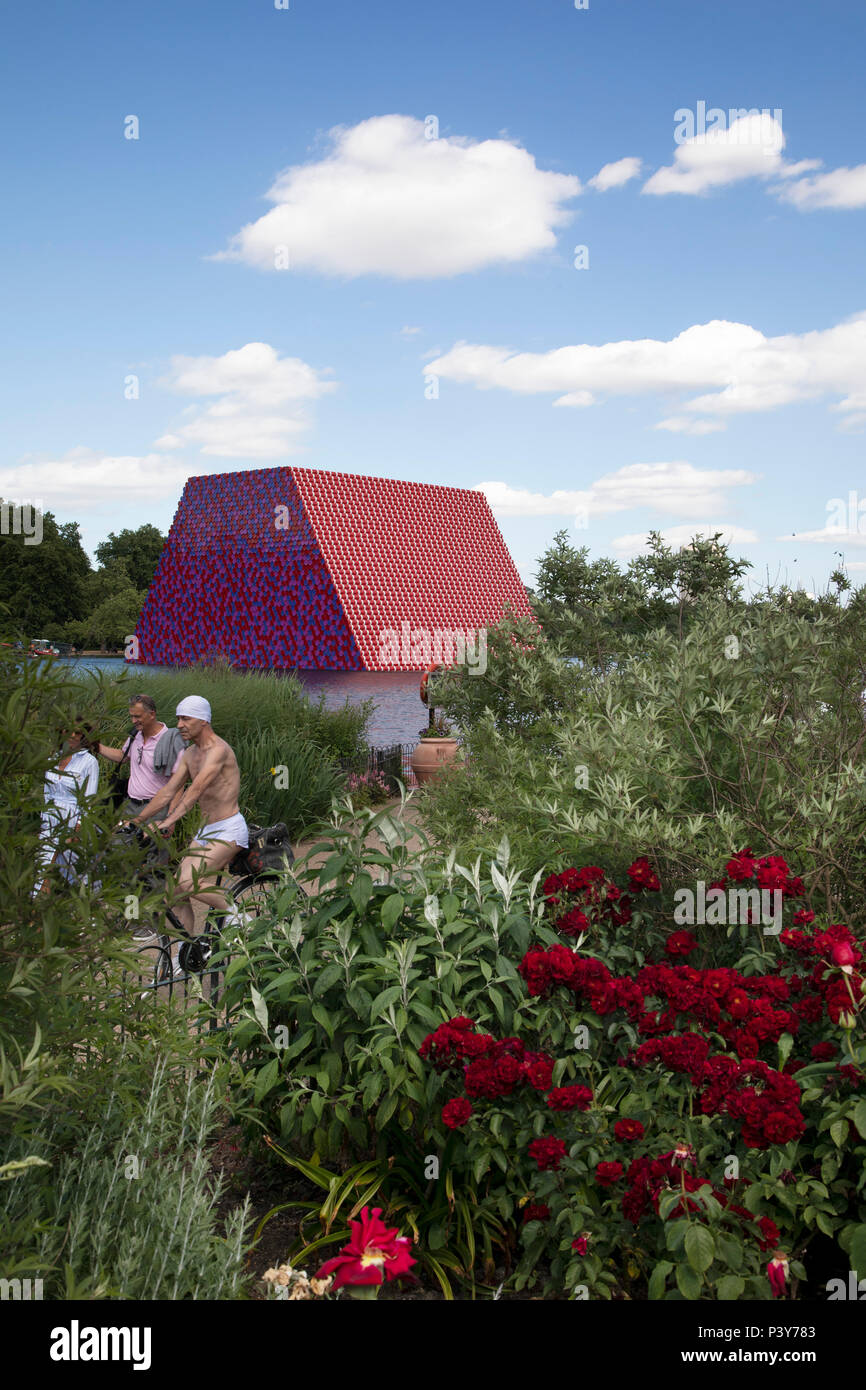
409,307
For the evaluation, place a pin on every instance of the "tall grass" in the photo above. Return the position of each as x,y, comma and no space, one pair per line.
270,722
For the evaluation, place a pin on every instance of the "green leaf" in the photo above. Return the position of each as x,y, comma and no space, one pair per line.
260,1008
688,1282
329,976
857,1250
266,1079
859,1118
386,1110
331,868
839,1132
656,1286
383,1000
730,1287
361,890
730,1250
392,907
700,1248
321,1015
786,1042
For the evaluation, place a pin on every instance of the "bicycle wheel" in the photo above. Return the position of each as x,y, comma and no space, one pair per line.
252,895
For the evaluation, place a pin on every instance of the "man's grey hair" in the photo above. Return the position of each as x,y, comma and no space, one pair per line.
146,700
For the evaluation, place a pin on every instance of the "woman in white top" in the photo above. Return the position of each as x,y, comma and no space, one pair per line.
76,773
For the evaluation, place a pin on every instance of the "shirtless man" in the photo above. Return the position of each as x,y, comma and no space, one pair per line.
211,766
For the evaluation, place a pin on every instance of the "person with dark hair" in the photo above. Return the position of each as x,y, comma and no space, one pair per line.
154,751
75,776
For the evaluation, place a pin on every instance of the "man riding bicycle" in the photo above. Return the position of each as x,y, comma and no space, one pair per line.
212,769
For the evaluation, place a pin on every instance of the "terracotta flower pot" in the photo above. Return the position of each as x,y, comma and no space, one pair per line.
431,755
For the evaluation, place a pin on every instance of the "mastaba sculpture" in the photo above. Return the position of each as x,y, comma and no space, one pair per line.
302,568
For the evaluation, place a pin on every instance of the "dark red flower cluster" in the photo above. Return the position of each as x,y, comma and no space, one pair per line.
455,1113
584,898
453,1044
492,1067
570,1098
747,1011
547,1151
627,1130
680,943
643,877
648,1178
766,1101
606,1174
771,872
536,1211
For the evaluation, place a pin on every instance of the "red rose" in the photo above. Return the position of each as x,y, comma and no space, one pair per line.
547,1152
680,943
777,1273
606,1174
579,1245
456,1112
570,1098
738,1004
823,1051
536,1211
538,1069
374,1253
769,1232
741,867
642,876
628,1129
843,956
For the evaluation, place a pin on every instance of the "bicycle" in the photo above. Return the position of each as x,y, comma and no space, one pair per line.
258,871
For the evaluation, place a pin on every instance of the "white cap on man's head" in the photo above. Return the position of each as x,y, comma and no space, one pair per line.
194,707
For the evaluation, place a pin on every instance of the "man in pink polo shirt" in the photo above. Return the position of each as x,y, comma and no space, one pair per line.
153,750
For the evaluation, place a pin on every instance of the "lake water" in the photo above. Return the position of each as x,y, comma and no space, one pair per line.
398,714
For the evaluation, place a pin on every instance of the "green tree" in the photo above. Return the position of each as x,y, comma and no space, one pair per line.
139,551
592,605
42,584
110,623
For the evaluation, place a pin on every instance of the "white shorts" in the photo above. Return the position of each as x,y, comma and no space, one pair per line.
234,830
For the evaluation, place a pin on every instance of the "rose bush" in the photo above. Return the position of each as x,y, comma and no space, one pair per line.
703,1121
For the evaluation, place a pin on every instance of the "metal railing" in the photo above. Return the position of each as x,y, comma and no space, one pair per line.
389,763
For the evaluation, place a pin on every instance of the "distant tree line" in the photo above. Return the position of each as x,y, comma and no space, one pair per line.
52,590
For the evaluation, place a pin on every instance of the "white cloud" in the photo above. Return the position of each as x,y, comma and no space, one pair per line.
749,147
388,201
839,188
681,424
84,479
676,488
616,174
748,371
251,382
409,331
679,536
828,535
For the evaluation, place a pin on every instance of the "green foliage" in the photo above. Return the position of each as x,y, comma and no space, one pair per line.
88,1071
593,606
454,1229
128,1207
333,1000
749,727
137,550
41,584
